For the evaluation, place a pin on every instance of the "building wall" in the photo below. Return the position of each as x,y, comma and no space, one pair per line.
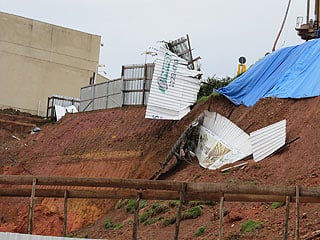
38,60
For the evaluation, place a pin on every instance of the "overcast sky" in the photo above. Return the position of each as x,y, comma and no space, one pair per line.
220,31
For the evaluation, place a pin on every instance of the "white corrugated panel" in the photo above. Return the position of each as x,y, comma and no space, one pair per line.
221,142
18,236
173,88
267,140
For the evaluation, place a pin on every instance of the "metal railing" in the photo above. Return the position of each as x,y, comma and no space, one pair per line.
154,190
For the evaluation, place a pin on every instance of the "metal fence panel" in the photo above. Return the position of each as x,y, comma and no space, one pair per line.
137,83
62,101
101,96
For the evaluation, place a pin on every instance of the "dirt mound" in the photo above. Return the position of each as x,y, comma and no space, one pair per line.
121,143
118,143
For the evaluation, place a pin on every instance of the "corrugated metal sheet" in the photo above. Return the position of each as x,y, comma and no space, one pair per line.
18,236
173,88
267,140
221,142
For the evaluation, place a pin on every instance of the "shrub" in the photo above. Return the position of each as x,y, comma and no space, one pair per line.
250,225
207,87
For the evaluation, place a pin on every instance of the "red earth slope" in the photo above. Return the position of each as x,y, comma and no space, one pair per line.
296,165
122,143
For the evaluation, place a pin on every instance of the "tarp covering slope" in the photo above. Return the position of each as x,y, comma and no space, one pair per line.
291,72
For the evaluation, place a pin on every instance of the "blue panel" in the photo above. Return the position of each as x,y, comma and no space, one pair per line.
292,72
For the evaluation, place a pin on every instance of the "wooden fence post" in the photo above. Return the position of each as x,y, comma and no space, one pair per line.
221,217
297,213
136,217
286,222
65,209
178,219
31,208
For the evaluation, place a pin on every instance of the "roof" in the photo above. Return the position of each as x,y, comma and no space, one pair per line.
291,72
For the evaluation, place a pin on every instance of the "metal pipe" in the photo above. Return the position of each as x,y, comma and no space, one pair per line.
316,11
308,11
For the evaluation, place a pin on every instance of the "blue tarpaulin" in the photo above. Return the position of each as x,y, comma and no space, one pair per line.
291,72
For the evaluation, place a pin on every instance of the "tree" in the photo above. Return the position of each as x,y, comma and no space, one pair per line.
212,83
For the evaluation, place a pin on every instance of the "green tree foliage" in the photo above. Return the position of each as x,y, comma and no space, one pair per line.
212,83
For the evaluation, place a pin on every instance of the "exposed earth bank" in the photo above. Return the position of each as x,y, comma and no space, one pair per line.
121,143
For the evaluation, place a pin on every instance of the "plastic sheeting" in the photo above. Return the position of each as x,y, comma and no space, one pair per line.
221,142
174,87
291,72
61,111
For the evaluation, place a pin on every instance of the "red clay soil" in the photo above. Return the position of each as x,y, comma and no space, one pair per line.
121,143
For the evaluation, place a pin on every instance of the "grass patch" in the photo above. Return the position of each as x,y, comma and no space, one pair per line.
192,213
195,203
155,209
118,226
174,203
252,183
168,221
250,226
119,204
276,205
108,224
152,221
200,231
132,202
199,203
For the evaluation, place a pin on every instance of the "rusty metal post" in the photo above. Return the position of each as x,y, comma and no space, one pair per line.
136,217
31,208
190,52
65,209
221,217
48,106
286,222
297,213
144,84
178,219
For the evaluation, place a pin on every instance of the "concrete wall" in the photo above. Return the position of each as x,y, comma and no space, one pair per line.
38,60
